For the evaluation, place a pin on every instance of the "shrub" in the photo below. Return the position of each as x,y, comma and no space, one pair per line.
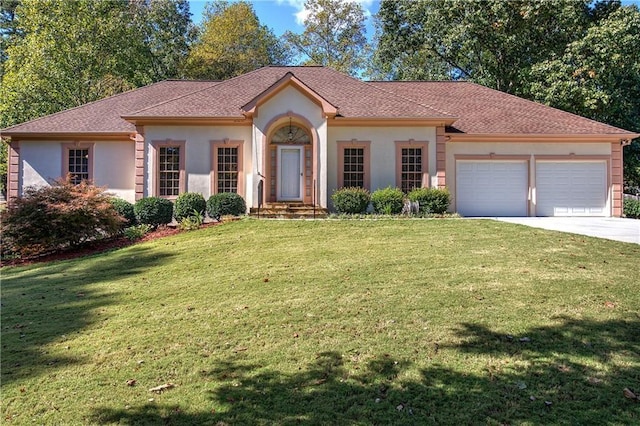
136,232
388,200
226,203
351,200
631,208
431,200
125,210
192,222
54,217
186,203
153,211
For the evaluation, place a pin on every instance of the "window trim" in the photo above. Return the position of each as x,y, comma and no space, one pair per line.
168,143
411,143
354,143
66,147
227,143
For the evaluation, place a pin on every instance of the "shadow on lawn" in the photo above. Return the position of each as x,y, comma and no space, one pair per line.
48,302
547,378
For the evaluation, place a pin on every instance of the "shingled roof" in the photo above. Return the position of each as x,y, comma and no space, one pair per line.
104,116
353,98
473,109
482,110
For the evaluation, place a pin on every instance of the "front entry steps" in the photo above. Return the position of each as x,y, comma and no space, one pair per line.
282,210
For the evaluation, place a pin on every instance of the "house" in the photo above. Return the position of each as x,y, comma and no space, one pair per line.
295,134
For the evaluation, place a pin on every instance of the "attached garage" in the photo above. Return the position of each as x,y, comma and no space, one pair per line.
571,188
492,188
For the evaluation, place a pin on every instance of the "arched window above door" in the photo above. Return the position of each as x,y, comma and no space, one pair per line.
291,134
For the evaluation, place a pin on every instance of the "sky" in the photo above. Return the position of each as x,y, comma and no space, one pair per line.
283,15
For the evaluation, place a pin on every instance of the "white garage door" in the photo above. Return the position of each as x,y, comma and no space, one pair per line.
491,188
573,188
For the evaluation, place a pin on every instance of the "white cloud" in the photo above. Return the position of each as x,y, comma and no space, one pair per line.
302,13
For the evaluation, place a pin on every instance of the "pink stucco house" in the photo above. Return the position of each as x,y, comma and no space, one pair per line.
299,133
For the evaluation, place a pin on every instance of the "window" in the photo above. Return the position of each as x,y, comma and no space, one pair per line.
227,167
411,165
169,168
169,176
353,164
77,162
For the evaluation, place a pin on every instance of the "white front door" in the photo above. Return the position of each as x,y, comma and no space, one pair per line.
290,175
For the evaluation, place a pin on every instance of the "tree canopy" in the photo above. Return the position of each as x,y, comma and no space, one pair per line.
67,53
231,42
334,36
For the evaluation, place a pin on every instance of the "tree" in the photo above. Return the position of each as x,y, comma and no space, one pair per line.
7,27
232,42
493,42
334,36
168,32
73,52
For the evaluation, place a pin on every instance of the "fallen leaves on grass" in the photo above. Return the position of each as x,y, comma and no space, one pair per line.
629,394
162,388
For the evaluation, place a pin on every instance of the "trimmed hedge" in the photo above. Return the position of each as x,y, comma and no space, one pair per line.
388,200
631,208
431,200
125,210
226,203
351,200
186,203
153,211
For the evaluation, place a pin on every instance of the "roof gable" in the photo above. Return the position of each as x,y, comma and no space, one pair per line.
289,80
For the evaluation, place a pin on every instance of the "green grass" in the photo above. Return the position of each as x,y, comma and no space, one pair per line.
329,322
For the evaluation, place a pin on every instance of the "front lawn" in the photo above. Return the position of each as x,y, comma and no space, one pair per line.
329,322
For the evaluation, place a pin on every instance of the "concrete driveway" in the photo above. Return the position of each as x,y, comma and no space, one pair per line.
611,228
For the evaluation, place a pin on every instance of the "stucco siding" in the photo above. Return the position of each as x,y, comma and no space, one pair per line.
383,151
114,167
198,153
41,163
532,151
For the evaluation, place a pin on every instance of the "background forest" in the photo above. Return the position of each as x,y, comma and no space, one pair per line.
581,56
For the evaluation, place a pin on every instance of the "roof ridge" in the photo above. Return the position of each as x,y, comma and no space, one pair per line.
214,83
412,100
83,105
219,82
428,107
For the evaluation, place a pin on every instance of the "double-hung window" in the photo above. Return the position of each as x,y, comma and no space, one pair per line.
354,164
77,162
169,168
411,165
227,166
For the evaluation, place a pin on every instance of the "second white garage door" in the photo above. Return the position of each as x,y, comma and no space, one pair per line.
491,188
571,188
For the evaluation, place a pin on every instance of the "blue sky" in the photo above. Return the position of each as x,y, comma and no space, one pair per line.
283,15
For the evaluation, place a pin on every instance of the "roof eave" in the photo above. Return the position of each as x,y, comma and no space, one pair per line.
68,135
168,120
540,137
393,121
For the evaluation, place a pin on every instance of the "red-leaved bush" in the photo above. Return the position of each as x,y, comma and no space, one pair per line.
55,217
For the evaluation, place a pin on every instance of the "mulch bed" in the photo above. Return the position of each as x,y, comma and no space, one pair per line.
95,247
